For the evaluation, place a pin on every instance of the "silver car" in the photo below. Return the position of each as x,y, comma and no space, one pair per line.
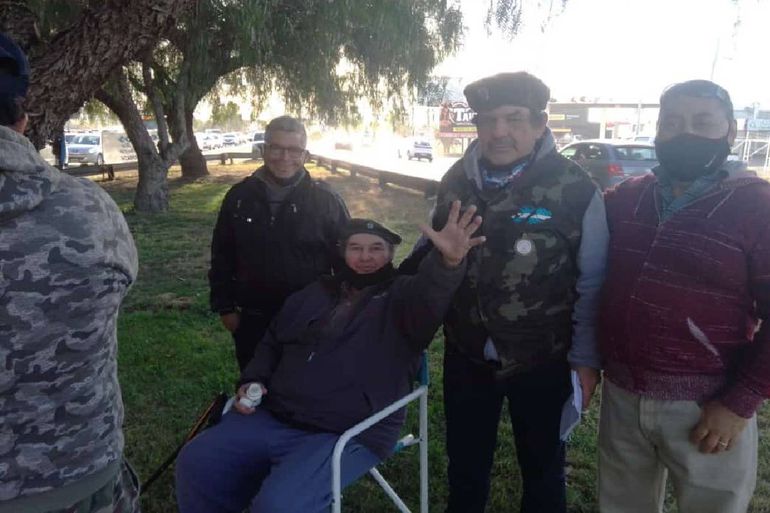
609,162
86,149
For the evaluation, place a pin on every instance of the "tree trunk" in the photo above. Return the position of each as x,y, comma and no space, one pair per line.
152,190
192,161
78,61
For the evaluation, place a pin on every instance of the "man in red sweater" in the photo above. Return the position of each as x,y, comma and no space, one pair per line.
683,329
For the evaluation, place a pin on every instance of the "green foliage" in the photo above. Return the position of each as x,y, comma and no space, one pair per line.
227,116
321,55
96,113
508,15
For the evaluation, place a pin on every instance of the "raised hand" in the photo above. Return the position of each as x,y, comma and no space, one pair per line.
455,239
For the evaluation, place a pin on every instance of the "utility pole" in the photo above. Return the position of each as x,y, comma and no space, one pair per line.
716,59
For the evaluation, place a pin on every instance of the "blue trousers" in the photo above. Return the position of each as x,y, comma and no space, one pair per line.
256,462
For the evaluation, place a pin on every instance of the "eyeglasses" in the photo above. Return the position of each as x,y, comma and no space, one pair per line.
293,151
484,122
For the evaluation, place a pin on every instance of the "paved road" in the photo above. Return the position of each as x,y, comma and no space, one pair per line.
387,159
372,156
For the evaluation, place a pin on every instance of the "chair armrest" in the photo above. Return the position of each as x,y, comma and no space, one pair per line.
364,425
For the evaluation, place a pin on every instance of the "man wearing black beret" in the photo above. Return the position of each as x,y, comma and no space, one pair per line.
338,351
524,315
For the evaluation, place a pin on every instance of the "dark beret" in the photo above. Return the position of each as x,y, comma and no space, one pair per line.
519,88
355,225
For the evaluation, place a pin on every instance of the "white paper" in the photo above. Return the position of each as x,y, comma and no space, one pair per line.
571,411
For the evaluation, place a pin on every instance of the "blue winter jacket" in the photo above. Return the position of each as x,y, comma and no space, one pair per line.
329,378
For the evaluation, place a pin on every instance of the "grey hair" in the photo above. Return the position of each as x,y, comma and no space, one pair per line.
286,124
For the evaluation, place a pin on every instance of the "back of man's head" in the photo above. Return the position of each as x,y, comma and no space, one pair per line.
14,81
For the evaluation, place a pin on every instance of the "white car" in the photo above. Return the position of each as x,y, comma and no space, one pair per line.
416,148
86,149
214,140
203,142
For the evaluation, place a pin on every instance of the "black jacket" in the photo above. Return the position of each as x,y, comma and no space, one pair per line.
332,378
257,259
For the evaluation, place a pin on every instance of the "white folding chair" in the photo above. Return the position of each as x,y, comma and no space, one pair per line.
421,393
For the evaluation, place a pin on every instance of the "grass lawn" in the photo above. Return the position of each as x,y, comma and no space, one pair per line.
175,356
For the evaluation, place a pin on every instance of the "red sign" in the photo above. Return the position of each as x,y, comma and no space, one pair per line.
456,121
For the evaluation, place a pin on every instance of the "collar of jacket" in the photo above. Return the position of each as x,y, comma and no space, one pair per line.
259,184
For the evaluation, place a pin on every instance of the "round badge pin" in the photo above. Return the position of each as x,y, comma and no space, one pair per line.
524,247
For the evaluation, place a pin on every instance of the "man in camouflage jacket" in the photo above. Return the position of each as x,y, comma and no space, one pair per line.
526,310
66,261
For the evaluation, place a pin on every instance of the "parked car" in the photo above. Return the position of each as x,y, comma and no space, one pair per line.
647,139
258,145
609,162
86,149
214,140
230,139
203,142
416,148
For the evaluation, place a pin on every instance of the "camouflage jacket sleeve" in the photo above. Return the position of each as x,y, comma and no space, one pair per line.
592,264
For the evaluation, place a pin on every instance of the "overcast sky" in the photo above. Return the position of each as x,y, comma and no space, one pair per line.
628,49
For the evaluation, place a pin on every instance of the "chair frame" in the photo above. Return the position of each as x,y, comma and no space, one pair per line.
418,394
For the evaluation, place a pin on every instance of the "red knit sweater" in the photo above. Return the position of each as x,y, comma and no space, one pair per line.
684,299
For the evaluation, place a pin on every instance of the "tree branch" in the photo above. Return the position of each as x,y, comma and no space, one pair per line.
157,106
80,59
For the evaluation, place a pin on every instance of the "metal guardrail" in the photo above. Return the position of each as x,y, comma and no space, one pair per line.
384,177
425,185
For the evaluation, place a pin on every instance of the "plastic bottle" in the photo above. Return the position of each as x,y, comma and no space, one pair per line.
253,396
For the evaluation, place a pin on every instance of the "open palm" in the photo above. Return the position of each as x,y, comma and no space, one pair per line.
456,237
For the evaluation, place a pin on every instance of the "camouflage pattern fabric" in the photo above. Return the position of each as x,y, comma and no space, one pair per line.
520,285
67,260
120,495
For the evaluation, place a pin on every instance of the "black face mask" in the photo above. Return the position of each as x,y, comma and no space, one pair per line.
687,157
360,281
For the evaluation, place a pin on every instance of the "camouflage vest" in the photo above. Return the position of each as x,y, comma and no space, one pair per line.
520,285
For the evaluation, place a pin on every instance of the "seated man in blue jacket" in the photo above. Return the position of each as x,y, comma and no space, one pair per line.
339,351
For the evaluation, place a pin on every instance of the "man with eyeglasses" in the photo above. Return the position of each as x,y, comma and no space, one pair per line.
683,328
276,233
524,315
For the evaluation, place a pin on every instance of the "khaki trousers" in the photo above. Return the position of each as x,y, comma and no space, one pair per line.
641,441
